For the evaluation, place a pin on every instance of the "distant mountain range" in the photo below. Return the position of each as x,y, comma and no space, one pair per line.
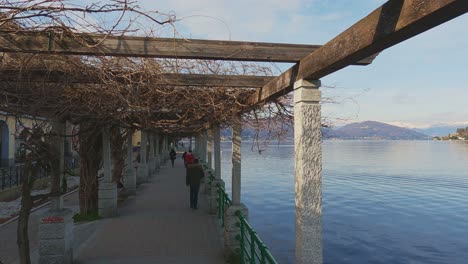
366,130
373,130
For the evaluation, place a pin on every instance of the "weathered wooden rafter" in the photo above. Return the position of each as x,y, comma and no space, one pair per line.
82,44
175,79
390,24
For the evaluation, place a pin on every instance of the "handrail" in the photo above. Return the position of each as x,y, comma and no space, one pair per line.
252,249
223,200
210,172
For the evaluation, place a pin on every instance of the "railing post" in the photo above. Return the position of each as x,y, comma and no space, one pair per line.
263,250
242,242
252,247
216,184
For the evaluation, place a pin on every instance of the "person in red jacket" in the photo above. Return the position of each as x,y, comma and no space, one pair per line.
189,158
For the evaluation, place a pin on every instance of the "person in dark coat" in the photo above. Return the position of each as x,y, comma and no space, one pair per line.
183,158
173,156
194,174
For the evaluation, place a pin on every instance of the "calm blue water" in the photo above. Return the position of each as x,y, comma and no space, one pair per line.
383,201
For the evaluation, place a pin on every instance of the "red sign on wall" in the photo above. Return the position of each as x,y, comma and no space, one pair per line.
53,219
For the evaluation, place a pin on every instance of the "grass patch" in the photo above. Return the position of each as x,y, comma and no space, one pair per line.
86,217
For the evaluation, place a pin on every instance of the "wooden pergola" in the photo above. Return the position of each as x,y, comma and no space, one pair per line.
393,22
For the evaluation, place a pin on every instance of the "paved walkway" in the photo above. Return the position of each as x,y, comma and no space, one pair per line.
156,226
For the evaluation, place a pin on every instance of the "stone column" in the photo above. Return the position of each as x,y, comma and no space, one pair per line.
130,174
308,171
236,163
152,160
164,153
204,146
142,175
196,151
68,139
107,193
217,151
56,225
58,166
213,196
231,230
157,152
209,146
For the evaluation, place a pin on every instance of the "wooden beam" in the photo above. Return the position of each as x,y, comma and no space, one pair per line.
208,80
174,79
390,24
99,45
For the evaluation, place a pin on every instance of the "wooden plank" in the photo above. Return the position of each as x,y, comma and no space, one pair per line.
83,44
390,24
175,79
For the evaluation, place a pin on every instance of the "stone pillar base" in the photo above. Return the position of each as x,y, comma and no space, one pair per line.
107,199
129,181
213,195
142,173
231,230
56,237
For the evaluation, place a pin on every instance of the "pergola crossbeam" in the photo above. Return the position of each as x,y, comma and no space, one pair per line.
390,24
128,46
174,79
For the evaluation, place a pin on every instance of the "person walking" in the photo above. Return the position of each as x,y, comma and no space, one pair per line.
194,174
173,156
183,158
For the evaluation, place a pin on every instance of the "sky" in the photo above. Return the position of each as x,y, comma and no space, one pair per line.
417,83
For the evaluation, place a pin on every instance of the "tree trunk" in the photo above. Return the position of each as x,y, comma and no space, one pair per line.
90,151
26,206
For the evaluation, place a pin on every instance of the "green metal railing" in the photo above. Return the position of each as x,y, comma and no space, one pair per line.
211,173
223,200
252,249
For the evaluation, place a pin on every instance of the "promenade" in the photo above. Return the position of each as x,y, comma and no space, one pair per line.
157,226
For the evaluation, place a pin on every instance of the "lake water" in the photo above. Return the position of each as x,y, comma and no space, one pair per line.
383,201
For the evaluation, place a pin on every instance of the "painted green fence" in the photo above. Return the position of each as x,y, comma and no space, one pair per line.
252,250
223,201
